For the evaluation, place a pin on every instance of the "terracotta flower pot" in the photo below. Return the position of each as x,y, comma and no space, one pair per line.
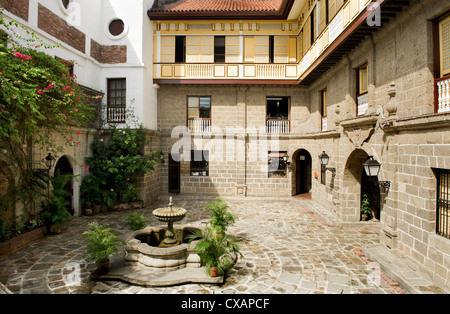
214,271
55,229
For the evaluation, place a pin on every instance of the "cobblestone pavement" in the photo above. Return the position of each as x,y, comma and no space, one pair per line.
286,249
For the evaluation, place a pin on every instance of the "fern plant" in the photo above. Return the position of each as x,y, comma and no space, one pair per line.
215,251
135,221
102,242
221,218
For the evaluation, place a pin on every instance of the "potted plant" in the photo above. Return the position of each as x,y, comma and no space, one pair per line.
218,254
101,243
55,214
221,218
90,193
54,210
366,212
135,221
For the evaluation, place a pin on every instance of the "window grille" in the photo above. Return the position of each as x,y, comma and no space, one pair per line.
443,201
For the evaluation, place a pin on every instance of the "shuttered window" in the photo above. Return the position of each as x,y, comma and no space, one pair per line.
168,49
444,44
261,49
281,49
249,49
307,36
363,80
232,49
200,49
323,15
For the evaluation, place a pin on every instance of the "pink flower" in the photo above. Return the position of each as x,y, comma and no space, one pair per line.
87,169
69,87
40,92
78,132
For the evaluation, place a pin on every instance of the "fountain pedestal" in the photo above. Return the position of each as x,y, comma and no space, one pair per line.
169,215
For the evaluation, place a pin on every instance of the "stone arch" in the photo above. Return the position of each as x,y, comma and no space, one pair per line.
352,179
7,195
67,165
301,162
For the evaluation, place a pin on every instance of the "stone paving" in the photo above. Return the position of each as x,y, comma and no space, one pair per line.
286,249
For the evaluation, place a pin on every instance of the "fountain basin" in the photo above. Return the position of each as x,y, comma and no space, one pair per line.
146,248
169,214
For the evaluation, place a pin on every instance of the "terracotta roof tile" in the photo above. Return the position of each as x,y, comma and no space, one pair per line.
219,6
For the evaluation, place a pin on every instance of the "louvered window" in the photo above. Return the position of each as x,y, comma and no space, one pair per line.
444,44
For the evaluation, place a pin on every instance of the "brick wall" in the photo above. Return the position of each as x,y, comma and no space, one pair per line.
59,28
108,54
19,8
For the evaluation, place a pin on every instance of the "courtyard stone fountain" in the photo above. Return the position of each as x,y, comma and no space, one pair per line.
162,256
169,215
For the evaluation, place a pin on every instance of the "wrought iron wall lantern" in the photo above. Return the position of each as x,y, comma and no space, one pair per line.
324,159
372,168
49,161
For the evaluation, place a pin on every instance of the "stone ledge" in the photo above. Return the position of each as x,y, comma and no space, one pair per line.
143,277
403,270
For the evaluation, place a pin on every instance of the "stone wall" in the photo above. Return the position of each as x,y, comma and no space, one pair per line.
400,130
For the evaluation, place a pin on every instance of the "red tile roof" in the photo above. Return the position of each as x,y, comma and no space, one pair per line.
218,7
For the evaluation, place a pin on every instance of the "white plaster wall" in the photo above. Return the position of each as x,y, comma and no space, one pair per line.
92,18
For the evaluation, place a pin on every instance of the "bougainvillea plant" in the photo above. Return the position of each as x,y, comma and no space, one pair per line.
38,95
39,99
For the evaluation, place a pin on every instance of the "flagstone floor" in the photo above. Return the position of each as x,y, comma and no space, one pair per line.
286,249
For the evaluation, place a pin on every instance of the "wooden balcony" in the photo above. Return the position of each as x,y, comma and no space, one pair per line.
232,71
342,32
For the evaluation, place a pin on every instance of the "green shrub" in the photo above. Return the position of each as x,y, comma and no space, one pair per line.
102,242
221,218
135,221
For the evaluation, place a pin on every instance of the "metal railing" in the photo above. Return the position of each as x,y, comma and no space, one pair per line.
443,204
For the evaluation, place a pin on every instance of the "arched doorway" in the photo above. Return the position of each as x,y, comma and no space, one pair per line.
303,172
63,167
356,184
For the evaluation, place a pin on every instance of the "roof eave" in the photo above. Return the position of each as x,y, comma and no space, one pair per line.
280,14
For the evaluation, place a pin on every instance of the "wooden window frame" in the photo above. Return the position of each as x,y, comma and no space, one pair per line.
442,72
180,49
443,203
109,98
220,49
323,102
360,92
281,171
202,171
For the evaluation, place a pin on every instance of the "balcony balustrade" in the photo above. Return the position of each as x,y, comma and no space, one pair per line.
199,125
278,126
